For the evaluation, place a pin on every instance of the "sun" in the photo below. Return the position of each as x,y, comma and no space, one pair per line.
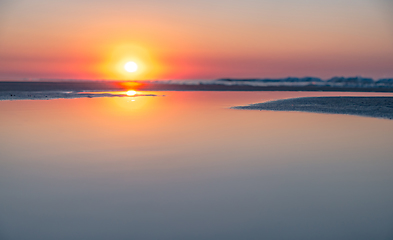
131,67
131,93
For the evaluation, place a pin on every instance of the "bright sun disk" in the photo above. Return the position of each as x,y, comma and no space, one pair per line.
131,67
131,93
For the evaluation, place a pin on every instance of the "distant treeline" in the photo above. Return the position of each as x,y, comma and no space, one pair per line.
351,84
358,80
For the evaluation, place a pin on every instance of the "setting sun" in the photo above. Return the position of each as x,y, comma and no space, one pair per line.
131,67
131,93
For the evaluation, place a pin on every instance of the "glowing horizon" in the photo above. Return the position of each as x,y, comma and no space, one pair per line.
195,40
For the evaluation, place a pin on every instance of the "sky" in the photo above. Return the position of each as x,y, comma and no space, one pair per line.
173,39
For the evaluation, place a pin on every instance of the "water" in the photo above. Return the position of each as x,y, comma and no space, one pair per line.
185,166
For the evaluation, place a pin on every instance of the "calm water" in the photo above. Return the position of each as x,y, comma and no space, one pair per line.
185,166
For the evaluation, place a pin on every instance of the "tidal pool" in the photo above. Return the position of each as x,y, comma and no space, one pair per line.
186,166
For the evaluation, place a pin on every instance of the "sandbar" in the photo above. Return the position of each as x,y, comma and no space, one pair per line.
378,107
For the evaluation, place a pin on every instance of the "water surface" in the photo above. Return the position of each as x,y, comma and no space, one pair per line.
186,166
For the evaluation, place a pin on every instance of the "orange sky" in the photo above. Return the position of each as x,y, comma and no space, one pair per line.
195,39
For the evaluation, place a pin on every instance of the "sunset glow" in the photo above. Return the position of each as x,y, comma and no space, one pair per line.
196,119
131,67
171,40
131,93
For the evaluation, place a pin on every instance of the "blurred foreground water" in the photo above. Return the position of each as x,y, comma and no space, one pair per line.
185,166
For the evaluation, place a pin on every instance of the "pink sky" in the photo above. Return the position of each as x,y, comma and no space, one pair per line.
195,39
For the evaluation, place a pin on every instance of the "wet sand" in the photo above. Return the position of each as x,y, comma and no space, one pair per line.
46,95
378,107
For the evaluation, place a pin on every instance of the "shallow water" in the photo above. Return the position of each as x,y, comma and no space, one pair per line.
185,166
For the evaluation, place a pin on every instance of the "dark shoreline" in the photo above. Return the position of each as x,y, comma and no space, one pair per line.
377,107
48,95
173,86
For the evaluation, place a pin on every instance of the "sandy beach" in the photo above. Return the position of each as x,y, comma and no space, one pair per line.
378,107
